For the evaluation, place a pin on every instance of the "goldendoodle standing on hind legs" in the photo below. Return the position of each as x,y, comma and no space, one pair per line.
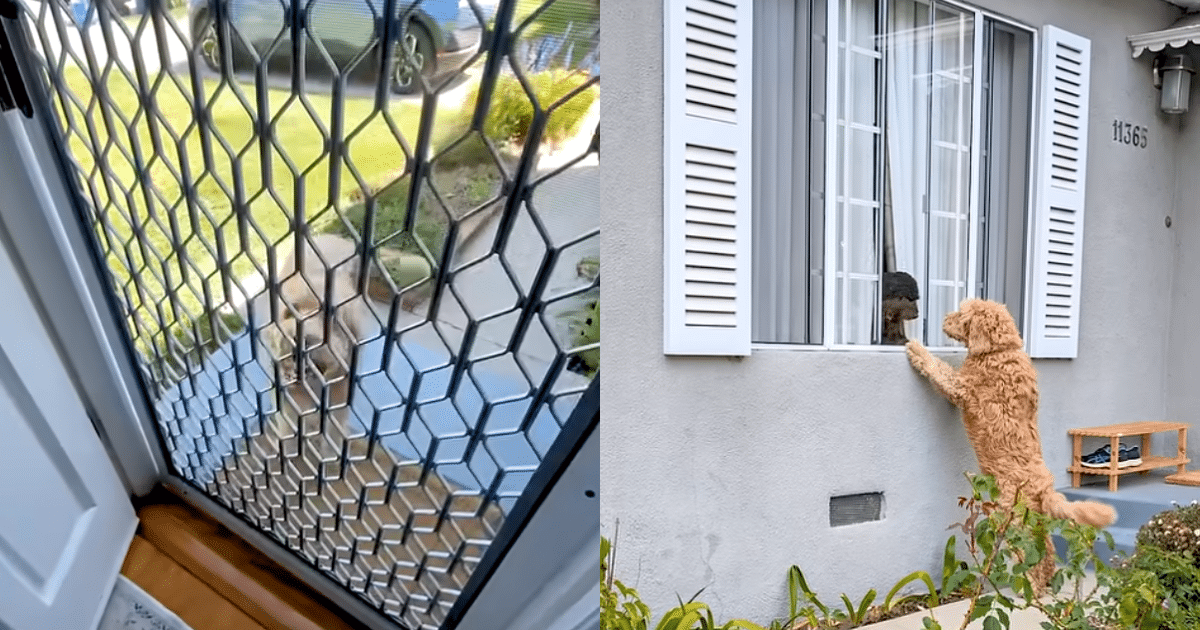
996,389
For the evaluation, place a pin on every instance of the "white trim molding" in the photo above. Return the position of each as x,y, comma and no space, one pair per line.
1180,34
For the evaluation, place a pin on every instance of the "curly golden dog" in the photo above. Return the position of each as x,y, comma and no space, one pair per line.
996,389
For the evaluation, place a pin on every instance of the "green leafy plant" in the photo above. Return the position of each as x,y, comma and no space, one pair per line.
583,323
574,23
1157,588
1176,530
1159,585
818,614
957,581
1005,542
621,608
511,114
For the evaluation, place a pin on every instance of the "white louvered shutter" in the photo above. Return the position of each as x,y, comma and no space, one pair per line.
1057,246
706,220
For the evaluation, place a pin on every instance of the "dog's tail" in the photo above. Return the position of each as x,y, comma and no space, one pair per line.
1091,513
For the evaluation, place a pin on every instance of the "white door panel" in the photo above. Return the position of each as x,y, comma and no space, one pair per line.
65,518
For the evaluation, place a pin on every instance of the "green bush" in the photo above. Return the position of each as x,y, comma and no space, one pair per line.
1176,530
574,24
585,331
584,322
510,116
1165,561
511,113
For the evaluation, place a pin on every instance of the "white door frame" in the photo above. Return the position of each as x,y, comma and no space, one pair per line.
54,257
69,517
556,587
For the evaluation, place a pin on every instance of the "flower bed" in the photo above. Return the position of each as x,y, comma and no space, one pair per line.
1157,587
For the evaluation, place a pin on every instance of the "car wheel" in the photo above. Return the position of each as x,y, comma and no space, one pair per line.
413,54
208,47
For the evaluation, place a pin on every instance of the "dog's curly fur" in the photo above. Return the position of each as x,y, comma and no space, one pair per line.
996,389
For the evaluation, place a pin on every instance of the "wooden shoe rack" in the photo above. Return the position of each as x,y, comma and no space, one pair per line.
1114,432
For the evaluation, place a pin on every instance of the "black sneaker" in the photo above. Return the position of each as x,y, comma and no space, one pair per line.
1126,456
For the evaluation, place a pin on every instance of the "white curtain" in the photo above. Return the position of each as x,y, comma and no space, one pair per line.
907,123
950,127
928,129
924,137
858,196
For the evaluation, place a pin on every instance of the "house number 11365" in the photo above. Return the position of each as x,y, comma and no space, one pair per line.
1128,133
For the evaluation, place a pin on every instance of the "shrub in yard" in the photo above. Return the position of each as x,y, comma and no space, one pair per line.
584,322
585,331
570,27
510,116
1153,589
1176,530
1166,561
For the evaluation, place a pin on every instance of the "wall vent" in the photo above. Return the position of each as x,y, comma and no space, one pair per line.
849,509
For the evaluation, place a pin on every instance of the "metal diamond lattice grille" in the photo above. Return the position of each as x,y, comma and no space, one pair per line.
356,247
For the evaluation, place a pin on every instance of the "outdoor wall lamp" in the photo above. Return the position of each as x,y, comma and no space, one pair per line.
1172,67
1173,75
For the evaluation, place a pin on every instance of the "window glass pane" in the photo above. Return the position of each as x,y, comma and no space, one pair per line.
860,163
858,239
862,76
907,166
787,234
860,221
930,56
860,324
1007,106
905,203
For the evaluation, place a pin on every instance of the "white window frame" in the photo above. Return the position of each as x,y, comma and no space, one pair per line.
832,172
719,248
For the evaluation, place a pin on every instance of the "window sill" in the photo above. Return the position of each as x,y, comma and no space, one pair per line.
795,347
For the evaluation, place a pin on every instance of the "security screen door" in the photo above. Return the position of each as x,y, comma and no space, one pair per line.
355,247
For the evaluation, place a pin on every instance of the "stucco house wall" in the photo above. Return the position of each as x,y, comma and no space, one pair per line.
1183,357
720,470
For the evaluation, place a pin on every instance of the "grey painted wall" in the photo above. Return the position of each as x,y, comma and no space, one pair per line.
720,470
1183,364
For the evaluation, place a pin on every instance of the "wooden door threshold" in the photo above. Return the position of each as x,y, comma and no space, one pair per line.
209,555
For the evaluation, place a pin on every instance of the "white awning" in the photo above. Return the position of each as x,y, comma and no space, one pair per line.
1183,32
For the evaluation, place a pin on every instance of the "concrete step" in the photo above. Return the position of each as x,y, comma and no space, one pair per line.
1137,499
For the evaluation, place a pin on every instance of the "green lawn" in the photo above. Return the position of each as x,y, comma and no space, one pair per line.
295,177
